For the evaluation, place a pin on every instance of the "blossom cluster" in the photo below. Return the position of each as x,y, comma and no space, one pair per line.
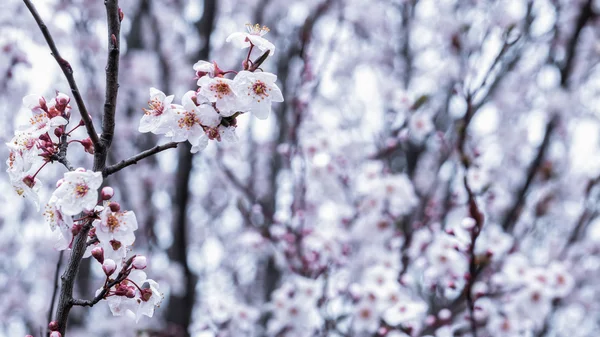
36,143
209,112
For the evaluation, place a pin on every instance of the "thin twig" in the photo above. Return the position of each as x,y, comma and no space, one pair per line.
55,291
68,71
133,160
120,278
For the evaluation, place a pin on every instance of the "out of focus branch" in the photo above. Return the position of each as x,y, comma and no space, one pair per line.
584,16
134,160
68,72
513,214
55,291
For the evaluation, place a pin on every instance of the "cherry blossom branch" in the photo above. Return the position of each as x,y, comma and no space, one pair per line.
68,278
113,15
61,156
134,160
68,72
120,278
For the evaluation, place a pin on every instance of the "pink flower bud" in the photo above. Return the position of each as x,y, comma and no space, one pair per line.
107,193
139,262
130,292
62,99
114,206
109,266
98,254
55,334
28,336
59,182
58,132
80,169
88,146
53,326
121,15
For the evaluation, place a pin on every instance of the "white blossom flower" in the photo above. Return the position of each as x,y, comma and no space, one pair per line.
57,220
204,68
255,36
220,91
115,232
189,122
366,318
404,312
78,192
256,91
156,118
27,187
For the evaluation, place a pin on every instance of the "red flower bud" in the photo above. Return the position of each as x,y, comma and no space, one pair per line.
107,193
53,326
98,254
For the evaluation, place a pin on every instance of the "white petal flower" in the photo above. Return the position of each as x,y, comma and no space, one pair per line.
57,220
78,192
150,299
156,118
256,91
204,68
221,91
115,232
254,36
189,122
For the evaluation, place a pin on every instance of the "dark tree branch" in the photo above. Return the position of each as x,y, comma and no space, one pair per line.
112,83
179,311
68,278
134,160
68,72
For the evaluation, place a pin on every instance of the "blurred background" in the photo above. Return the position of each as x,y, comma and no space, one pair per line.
342,214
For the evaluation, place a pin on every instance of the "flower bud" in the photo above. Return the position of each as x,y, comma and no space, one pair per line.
62,99
109,266
55,334
53,326
130,292
59,182
58,132
121,15
139,262
98,254
80,169
88,146
114,206
107,193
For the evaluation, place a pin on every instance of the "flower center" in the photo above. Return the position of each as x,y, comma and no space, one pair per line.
257,29
188,120
81,190
260,88
112,222
220,89
156,107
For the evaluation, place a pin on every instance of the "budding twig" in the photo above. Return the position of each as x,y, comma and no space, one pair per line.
68,72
